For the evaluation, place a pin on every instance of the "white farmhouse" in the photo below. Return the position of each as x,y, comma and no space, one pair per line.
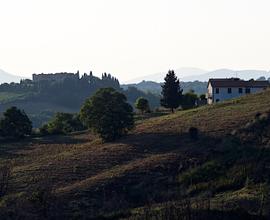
223,89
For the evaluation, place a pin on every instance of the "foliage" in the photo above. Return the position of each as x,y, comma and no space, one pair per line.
171,91
132,94
41,99
202,97
62,123
155,88
142,105
189,100
108,114
15,124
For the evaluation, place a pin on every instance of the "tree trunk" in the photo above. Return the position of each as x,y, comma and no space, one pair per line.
172,109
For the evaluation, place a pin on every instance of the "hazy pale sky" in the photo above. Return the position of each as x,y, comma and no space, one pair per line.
131,38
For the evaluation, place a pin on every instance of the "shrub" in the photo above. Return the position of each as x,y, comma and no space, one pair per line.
189,100
202,97
62,123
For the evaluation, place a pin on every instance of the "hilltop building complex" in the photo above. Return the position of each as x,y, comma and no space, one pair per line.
58,77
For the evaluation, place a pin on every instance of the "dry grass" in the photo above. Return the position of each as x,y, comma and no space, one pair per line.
79,164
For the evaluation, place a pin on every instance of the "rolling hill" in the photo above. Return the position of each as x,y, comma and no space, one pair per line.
159,77
156,172
153,87
195,74
227,73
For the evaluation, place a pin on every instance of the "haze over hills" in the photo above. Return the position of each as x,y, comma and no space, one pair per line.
159,77
8,78
197,82
193,74
227,73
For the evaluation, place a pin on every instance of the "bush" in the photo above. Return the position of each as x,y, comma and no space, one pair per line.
15,124
193,133
108,114
62,123
189,100
202,97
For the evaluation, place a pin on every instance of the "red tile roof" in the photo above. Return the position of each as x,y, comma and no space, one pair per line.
236,82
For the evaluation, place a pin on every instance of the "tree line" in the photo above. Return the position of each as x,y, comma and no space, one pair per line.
106,113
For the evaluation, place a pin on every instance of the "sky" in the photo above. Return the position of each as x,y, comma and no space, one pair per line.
132,38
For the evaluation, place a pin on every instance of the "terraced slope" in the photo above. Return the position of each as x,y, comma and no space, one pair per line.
78,176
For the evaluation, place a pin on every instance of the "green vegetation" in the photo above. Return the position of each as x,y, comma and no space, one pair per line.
171,92
108,114
15,124
189,100
11,96
155,88
156,172
142,105
62,123
132,94
43,99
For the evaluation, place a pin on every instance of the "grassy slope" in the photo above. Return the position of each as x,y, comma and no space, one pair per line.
146,165
9,96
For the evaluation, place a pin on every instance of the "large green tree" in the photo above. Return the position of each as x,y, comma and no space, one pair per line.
15,124
171,91
108,114
142,104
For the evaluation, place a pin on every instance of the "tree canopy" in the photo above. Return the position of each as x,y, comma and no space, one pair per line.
142,104
62,123
171,91
108,114
189,100
15,124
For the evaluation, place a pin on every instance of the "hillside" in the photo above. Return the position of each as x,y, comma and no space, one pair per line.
42,99
155,171
153,87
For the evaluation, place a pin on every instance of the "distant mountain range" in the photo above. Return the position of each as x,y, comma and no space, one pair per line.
228,73
8,78
159,77
195,74
198,82
155,88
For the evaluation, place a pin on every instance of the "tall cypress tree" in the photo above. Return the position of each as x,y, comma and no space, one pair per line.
171,91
